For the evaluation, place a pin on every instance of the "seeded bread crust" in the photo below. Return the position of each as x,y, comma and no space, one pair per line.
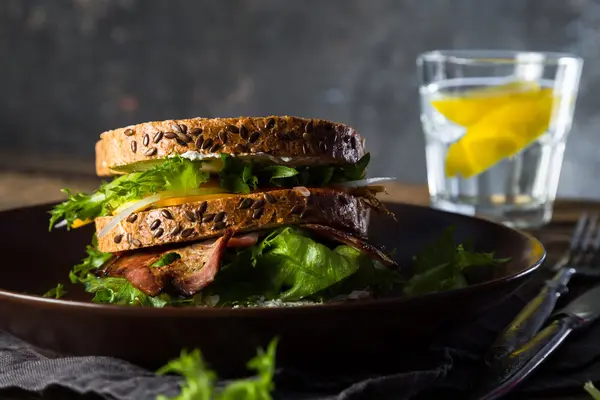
308,141
242,213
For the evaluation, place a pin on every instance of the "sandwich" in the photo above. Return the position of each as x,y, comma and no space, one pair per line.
230,212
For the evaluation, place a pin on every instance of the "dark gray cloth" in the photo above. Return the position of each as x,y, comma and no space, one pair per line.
455,361
26,368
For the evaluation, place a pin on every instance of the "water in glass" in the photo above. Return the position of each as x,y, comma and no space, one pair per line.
519,189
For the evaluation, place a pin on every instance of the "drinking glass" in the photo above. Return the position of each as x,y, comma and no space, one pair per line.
496,124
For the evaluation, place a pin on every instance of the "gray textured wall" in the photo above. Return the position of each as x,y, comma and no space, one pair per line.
71,69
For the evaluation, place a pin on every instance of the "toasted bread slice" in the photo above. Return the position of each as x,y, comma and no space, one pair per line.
286,140
239,213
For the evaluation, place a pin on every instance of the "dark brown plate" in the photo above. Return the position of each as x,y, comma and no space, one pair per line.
348,334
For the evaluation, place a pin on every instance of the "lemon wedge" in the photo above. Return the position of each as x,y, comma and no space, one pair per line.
467,108
467,159
500,122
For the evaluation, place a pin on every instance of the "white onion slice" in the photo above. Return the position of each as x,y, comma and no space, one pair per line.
138,205
364,182
61,224
302,190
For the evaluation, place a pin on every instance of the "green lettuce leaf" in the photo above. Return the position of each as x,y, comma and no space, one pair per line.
300,267
236,175
288,264
56,292
353,172
319,175
277,173
200,381
175,173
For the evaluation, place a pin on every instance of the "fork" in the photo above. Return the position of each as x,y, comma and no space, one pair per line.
582,254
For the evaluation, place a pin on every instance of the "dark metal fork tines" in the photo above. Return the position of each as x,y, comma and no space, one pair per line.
585,242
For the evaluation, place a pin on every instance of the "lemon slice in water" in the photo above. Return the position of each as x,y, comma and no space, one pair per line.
500,122
471,156
468,107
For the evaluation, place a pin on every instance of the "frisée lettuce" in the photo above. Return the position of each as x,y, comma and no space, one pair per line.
174,174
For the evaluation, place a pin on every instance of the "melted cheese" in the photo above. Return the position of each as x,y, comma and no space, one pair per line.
78,223
176,201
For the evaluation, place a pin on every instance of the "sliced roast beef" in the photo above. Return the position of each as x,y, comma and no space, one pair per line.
135,268
197,266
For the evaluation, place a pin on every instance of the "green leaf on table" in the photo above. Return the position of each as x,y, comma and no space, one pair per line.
258,387
591,389
199,380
